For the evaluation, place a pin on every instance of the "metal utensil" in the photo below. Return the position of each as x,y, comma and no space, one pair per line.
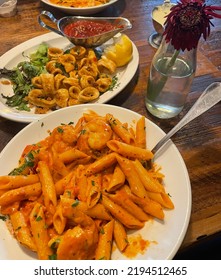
210,97
92,41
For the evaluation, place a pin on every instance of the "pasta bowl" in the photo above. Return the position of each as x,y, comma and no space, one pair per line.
165,237
108,27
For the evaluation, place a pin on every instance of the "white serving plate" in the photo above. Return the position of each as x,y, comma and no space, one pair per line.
167,235
11,58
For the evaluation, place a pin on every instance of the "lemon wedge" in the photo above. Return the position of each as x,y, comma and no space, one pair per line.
121,51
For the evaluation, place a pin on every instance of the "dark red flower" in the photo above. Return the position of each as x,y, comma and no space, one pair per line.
187,21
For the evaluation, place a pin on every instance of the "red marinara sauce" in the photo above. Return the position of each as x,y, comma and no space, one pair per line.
85,28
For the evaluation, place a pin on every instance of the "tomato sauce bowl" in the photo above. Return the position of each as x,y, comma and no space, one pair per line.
85,31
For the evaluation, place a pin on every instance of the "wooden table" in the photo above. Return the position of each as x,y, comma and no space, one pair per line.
199,143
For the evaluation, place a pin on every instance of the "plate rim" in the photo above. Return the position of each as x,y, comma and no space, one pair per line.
87,10
81,107
25,117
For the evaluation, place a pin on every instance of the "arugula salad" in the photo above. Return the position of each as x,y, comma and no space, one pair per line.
21,77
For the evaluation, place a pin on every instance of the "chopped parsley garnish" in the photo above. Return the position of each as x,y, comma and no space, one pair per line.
83,131
52,257
3,218
113,83
39,218
75,204
55,244
60,130
29,161
102,231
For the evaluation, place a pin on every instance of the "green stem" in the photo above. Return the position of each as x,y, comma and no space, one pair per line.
156,89
173,59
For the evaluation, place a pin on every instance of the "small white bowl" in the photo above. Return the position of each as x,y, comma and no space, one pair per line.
8,8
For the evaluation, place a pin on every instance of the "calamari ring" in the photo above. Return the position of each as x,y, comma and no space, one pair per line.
68,61
92,56
88,94
106,65
61,97
87,81
103,84
78,52
67,58
38,98
89,70
58,81
74,92
52,68
73,74
47,81
83,62
36,82
68,82
73,101
54,53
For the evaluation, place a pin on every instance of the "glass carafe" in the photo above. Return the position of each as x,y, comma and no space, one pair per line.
170,78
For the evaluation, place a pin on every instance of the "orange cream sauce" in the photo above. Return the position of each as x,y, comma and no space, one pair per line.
136,245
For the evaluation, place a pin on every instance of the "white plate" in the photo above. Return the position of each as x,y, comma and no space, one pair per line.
81,11
168,235
11,58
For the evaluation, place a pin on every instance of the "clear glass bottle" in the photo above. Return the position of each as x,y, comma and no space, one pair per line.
171,75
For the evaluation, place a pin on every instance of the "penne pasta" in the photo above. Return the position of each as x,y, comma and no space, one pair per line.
59,221
122,199
58,165
82,183
19,194
117,180
130,151
93,189
103,251
120,236
132,177
120,129
22,230
161,198
121,214
149,183
13,182
98,212
62,183
71,155
40,232
140,136
101,164
48,187
149,206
